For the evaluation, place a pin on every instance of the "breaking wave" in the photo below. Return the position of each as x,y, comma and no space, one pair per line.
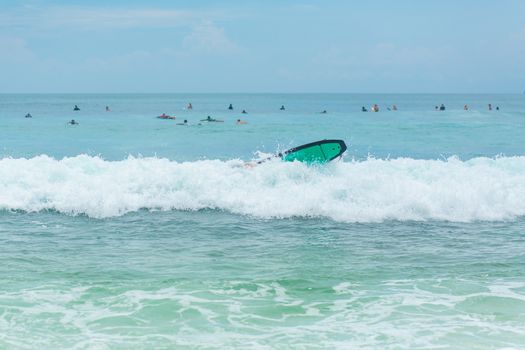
371,190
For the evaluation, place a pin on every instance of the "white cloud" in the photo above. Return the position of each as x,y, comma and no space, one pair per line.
89,18
206,36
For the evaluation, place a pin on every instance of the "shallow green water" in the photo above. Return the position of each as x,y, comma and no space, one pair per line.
210,279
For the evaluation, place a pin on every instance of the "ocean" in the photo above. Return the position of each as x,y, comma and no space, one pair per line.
132,232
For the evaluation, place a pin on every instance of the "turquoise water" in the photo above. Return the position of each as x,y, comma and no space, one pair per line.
127,231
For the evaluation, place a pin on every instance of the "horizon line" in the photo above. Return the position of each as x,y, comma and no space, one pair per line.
261,93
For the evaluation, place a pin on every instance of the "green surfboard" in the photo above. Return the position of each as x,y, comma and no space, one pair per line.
315,152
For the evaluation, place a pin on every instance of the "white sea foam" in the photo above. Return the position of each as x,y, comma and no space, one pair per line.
398,316
357,191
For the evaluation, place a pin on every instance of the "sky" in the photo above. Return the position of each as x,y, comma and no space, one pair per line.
375,46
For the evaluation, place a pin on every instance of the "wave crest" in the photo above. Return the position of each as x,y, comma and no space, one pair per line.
358,191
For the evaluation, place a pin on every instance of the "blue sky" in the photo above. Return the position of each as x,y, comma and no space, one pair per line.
262,46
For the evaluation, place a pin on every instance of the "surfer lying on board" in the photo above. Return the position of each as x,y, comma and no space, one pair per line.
165,116
210,119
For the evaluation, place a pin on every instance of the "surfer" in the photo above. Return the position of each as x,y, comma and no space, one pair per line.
189,106
230,107
244,111
363,109
497,108
76,108
185,122
324,112
490,107
165,116
282,108
442,107
394,107
318,152
241,122
28,115
311,153
210,119
107,109
465,108
73,122
375,108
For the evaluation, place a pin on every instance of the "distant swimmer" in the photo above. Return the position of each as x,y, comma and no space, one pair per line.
73,122
230,107
239,122
324,112
497,108
436,108
76,108
185,122
465,107
189,106
442,107
210,119
394,107
363,109
282,108
107,109
165,116
490,107
28,115
244,111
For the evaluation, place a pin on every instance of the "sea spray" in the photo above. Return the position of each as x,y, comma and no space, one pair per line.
372,190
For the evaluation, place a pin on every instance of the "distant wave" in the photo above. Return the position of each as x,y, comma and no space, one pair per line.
372,190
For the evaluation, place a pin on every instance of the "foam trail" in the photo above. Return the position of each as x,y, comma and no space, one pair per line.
358,191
